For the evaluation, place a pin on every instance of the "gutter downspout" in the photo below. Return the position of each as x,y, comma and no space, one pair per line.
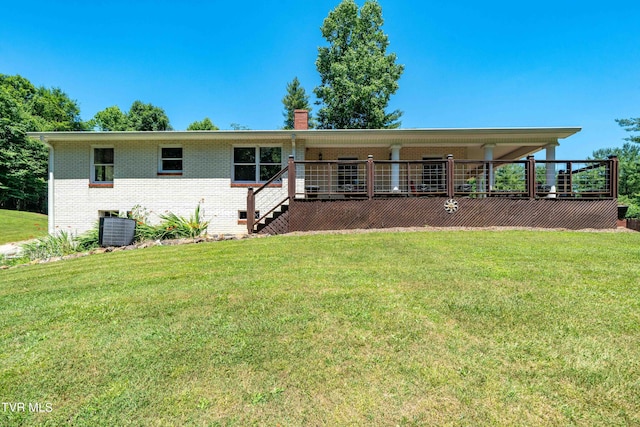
50,189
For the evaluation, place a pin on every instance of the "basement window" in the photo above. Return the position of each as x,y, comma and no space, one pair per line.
242,215
108,214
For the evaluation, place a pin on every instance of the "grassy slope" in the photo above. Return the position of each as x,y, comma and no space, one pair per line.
16,226
463,328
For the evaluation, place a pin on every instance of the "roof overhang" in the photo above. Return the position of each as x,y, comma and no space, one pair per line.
312,137
507,143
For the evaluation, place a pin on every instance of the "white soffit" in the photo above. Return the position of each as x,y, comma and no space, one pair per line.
450,136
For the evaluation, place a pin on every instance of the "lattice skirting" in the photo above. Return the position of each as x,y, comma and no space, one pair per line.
419,212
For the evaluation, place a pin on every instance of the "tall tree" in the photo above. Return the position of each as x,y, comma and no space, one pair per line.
19,162
358,77
631,125
23,161
628,165
111,119
205,124
52,110
140,117
147,117
295,99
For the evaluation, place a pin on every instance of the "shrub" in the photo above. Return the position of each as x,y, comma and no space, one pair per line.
89,240
50,246
633,211
634,206
144,230
175,227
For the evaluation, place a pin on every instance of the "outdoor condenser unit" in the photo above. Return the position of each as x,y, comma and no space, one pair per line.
116,231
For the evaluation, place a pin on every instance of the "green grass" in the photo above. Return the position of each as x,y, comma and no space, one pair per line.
441,328
16,226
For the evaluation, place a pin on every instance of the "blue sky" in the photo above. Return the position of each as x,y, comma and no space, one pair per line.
467,63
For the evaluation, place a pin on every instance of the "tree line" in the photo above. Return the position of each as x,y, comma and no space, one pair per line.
27,108
23,161
628,166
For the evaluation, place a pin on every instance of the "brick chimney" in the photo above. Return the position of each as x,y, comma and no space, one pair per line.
300,119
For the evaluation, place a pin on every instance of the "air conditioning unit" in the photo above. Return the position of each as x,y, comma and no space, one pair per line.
116,231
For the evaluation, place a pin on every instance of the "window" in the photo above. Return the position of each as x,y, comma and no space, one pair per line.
108,214
170,160
256,164
102,170
347,173
242,215
433,174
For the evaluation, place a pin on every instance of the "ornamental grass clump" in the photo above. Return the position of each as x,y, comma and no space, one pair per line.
176,227
88,240
172,226
144,230
50,246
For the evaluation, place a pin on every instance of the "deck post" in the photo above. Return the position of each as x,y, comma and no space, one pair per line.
451,188
251,210
291,177
612,176
569,181
370,176
531,177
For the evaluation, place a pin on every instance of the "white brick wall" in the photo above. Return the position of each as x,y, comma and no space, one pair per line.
77,206
206,179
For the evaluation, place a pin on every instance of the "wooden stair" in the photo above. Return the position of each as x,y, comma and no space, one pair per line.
278,223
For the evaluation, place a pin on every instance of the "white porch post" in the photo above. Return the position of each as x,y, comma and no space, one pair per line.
488,155
395,168
550,167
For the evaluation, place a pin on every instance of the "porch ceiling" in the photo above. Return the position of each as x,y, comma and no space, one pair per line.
451,136
507,143
511,138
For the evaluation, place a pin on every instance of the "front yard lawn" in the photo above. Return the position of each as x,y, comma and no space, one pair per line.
424,328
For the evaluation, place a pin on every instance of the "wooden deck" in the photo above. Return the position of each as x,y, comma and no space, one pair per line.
467,194
420,212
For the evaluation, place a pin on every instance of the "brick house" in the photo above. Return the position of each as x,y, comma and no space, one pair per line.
93,174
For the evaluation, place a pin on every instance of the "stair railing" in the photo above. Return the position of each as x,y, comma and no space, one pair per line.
271,201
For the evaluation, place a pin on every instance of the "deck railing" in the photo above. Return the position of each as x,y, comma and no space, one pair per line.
262,202
367,179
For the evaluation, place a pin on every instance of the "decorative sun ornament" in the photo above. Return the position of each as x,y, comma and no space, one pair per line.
451,206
